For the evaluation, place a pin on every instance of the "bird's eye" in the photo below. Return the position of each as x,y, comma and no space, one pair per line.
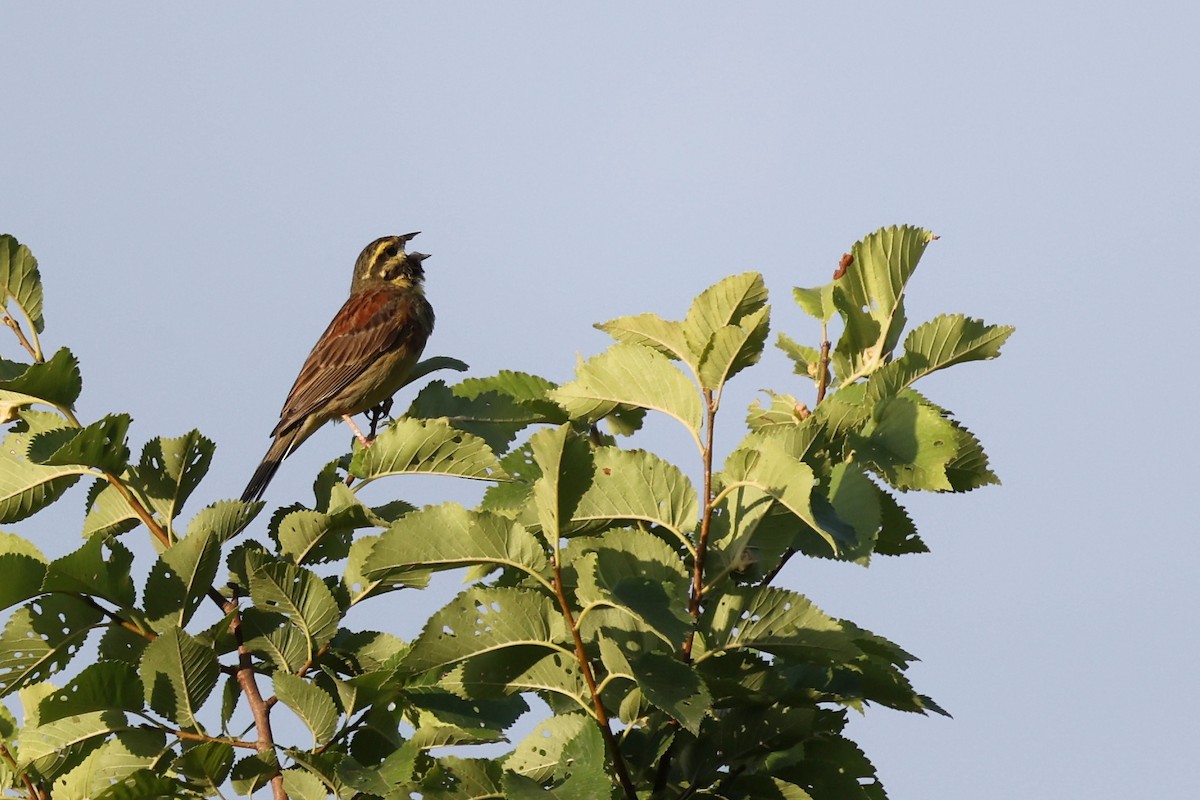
392,251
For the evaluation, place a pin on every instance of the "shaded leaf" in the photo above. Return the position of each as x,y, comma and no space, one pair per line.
178,674
300,595
311,704
56,382
100,686
180,579
773,620
20,280
99,568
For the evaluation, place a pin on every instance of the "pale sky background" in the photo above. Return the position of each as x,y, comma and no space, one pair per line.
196,184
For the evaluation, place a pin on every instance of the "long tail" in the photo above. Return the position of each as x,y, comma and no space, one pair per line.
278,451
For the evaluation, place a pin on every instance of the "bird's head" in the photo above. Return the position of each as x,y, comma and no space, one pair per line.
384,261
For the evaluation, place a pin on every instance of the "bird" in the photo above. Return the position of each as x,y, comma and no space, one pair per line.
363,357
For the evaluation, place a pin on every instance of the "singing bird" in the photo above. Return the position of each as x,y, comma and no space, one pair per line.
363,357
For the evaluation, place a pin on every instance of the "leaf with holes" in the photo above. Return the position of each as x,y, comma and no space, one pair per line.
178,674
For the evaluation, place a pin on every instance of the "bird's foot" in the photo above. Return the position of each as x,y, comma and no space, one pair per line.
358,434
376,415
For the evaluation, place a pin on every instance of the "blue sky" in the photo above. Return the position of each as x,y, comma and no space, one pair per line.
196,185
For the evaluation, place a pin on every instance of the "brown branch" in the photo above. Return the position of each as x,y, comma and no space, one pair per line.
34,794
16,328
614,747
143,514
258,708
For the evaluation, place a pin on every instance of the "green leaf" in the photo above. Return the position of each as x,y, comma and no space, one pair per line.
910,444
630,375
429,447
56,382
641,575
100,445
732,348
49,738
482,620
22,577
651,330
223,519
940,343
449,536
100,686
784,410
724,303
494,409
300,784
207,763
773,620
179,674
897,533
20,280
302,597
578,775
539,755
637,485
272,637
670,685
144,783
108,512
180,579
27,487
806,360
254,772
564,462
118,757
99,568
855,498
170,469
771,469
870,298
520,669
454,778
817,303
311,704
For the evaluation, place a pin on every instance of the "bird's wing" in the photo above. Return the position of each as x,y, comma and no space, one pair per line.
368,324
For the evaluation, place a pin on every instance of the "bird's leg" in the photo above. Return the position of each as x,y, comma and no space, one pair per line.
358,434
378,413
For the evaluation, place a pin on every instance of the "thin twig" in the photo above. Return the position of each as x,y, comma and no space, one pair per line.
258,708
16,328
589,677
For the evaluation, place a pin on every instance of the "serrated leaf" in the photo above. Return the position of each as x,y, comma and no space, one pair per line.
430,447
108,512
638,574
897,534
539,754
300,784
910,444
770,468
482,620
564,462
732,348
179,674
126,752
300,595
726,302
520,669
854,497
181,578
672,686
637,485
98,568
27,487
817,303
449,536
48,738
806,360
784,410
773,620
20,280
651,330
631,375
223,519
944,341
254,772
453,778
56,382
207,763
870,298
271,636
100,445
494,408
169,470
100,686
22,578
578,775
142,784
311,704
